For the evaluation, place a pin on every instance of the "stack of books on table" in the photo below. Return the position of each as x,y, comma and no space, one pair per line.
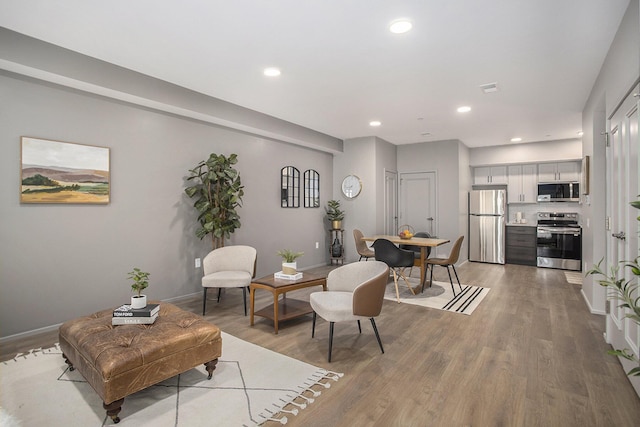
125,315
281,275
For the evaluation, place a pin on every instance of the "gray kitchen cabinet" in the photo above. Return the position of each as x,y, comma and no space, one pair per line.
521,245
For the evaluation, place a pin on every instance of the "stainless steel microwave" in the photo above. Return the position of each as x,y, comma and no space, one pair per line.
559,192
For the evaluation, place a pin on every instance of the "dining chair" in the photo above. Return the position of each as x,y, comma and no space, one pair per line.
228,267
397,259
446,262
361,246
416,250
354,292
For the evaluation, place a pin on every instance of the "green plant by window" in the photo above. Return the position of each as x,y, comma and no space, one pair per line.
289,256
218,191
626,292
140,280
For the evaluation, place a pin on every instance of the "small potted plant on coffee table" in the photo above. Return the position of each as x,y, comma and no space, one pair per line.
289,264
140,282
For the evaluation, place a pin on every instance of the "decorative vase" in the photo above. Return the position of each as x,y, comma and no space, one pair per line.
336,248
336,225
289,267
138,301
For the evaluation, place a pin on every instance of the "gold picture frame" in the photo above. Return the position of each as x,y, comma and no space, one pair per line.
63,172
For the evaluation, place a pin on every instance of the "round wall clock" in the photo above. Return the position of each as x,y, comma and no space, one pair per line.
351,186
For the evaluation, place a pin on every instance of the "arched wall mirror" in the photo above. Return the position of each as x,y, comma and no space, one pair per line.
311,189
290,187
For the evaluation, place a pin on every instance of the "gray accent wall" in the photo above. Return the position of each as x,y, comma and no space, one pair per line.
59,261
620,71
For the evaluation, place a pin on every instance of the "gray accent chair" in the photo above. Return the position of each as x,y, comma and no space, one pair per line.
229,267
354,292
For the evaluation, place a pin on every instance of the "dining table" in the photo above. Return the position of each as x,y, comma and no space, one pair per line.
422,242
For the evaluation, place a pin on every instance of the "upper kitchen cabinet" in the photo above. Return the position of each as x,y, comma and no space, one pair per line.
522,186
490,175
554,172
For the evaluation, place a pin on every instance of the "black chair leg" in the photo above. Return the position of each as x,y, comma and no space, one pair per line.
219,292
451,281
375,329
313,325
456,273
244,297
204,301
330,338
359,327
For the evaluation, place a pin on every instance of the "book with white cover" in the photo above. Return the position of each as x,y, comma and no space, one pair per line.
281,275
133,320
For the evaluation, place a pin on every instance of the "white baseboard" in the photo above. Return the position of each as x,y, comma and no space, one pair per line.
591,309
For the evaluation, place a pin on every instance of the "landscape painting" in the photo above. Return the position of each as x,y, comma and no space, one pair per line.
63,172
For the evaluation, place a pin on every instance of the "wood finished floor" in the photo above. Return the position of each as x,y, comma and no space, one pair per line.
530,355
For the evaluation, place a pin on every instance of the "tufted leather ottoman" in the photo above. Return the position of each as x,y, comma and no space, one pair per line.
120,360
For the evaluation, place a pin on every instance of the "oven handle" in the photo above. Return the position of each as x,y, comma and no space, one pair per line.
559,230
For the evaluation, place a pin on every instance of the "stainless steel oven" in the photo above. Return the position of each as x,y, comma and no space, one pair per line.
559,241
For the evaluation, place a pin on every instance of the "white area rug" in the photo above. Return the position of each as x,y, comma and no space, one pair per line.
249,386
439,296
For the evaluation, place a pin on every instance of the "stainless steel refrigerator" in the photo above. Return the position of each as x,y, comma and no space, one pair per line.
487,225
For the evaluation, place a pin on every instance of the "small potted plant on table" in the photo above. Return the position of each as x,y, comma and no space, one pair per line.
289,264
140,282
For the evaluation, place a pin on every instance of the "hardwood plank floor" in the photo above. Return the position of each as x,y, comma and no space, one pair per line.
530,355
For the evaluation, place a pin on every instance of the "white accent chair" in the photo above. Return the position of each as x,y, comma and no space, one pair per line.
354,291
229,267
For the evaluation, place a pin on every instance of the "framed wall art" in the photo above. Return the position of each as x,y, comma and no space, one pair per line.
63,172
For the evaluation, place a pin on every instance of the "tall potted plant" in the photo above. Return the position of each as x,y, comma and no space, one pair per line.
217,190
334,214
626,292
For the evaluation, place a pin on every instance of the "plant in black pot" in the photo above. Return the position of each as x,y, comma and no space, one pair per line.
334,214
140,282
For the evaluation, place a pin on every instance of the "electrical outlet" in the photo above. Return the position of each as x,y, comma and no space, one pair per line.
317,245
198,263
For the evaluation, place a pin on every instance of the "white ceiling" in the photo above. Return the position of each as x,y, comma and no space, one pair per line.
342,68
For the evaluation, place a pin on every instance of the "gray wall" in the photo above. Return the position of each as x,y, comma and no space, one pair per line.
444,158
620,71
62,261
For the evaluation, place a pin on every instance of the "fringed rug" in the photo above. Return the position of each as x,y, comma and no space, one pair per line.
250,386
573,277
439,295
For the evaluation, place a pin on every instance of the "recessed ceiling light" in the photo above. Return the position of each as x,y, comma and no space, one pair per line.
464,109
580,133
272,72
375,123
400,26
516,139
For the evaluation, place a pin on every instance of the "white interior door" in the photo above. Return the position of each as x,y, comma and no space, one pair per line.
390,202
622,239
418,201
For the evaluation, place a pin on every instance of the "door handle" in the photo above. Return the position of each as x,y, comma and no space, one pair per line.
619,235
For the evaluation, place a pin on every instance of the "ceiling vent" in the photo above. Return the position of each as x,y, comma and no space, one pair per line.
489,87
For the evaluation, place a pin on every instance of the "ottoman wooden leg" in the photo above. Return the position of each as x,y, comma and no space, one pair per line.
68,362
211,366
113,409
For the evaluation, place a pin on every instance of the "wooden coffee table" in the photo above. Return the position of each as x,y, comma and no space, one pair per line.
286,308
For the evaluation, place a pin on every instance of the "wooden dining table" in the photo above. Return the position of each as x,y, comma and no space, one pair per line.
422,242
